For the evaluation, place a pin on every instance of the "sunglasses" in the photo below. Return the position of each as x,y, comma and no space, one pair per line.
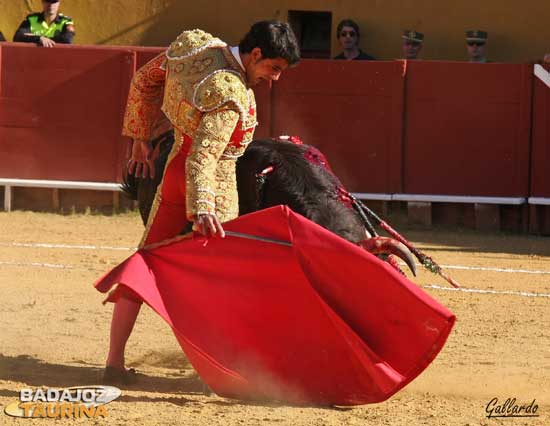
348,33
476,43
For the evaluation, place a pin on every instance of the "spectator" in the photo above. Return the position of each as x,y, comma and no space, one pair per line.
348,36
546,59
47,27
476,41
412,44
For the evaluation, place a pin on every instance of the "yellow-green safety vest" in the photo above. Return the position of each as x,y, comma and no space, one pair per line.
41,27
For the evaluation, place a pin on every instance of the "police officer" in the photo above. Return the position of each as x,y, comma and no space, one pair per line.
476,44
412,44
47,27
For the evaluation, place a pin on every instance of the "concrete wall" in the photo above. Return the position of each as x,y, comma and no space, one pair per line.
518,32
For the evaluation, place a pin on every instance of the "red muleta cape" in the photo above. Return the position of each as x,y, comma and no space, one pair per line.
317,321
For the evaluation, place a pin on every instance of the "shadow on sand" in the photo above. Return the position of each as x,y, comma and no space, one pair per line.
36,373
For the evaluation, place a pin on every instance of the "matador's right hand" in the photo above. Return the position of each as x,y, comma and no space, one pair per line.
208,225
142,161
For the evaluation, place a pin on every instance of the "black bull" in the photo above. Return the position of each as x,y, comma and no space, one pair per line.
307,188
299,179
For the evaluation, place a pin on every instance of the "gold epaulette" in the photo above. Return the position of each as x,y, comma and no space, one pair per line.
222,87
191,42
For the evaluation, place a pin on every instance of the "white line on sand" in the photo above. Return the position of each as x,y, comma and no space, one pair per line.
507,270
477,290
38,265
65,246
92,247
432,286
488,269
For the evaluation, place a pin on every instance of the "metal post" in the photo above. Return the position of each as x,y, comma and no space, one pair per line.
7,198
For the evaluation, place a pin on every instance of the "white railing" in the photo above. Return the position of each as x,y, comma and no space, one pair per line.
539,201
469,199
8,184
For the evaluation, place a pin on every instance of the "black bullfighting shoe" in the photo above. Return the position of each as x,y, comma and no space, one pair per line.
117,376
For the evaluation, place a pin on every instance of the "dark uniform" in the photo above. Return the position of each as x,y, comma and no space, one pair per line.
362,56
37,25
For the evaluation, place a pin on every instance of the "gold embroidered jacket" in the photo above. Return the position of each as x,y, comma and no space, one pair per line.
202,90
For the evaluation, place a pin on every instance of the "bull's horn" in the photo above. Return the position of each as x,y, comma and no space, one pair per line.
385,245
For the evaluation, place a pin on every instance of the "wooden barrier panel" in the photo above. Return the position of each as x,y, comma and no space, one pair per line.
540,157
444,128
352,111
61,111
145,54
263,93
467,129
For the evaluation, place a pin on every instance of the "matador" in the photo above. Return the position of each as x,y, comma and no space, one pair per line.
203,86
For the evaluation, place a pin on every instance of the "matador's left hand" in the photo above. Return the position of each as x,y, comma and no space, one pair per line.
142,162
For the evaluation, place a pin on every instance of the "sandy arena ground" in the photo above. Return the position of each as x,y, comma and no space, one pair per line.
54,332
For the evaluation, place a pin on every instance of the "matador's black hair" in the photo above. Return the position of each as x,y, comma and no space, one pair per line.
275,39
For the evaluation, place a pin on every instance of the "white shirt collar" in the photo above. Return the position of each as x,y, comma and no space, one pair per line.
237,55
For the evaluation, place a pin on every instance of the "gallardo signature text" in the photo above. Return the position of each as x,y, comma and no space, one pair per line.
510,408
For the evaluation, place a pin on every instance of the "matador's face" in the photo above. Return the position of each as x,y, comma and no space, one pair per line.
264,69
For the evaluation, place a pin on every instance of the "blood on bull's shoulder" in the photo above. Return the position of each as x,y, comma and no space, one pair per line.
308,188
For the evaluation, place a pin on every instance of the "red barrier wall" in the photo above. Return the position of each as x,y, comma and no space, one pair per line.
145,54
263,97
467,129
61,110
540,156
439,128
352,112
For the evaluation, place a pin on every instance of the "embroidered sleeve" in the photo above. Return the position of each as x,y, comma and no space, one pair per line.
209,143
145,99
